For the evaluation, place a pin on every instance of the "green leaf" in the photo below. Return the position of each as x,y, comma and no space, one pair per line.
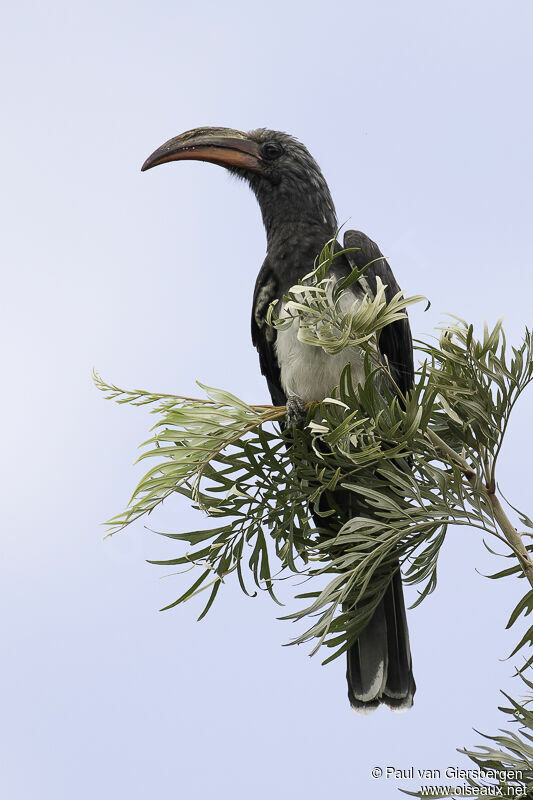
525,605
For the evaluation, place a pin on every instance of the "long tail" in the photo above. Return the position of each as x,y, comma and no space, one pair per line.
379,663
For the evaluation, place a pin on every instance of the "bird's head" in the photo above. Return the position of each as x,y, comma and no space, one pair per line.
284,176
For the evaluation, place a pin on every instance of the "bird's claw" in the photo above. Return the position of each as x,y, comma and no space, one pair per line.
296,412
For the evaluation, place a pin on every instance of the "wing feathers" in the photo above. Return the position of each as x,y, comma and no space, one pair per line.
395,340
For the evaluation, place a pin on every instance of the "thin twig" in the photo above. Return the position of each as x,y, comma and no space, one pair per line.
514,539
452,454
512,536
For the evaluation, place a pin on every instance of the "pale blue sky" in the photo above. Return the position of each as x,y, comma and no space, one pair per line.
420,116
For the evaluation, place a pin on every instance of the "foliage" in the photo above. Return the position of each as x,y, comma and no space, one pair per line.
506,769
513,755
405,467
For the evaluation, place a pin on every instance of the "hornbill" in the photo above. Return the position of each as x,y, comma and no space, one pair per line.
299,218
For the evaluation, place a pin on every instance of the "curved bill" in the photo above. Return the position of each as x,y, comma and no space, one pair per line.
223,146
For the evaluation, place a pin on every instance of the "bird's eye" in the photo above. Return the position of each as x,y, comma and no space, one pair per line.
271,150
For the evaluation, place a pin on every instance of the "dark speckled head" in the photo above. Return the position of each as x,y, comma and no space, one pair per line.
285,178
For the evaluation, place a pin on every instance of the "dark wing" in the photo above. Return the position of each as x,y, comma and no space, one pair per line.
263,335
385,640
395,340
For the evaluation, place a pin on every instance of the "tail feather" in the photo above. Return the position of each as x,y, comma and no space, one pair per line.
379,669
368,659
379,666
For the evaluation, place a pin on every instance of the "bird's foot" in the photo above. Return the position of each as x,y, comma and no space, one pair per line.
296,411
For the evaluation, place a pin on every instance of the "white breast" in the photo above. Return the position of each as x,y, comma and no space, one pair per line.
307,371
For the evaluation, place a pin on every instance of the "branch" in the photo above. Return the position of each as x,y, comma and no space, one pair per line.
511,534
452,454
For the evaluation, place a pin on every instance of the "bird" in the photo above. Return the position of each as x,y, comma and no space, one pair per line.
299,218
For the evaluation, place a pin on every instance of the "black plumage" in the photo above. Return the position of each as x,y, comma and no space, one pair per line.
299,218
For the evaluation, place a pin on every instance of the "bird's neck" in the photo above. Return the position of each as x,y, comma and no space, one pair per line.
297,225
297,212
294,244
289,235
